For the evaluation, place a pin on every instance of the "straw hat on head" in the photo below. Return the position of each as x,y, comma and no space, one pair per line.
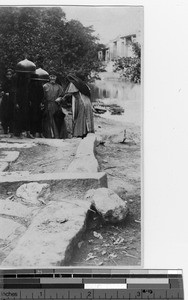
25,66
40,75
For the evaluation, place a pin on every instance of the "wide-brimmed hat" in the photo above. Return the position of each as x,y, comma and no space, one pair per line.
79,84
40,75
25,66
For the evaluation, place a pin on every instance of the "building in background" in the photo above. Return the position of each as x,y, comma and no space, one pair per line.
121,46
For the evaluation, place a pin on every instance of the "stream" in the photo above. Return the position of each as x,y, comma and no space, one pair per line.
112,90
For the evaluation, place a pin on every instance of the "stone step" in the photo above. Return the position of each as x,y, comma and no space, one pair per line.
64,182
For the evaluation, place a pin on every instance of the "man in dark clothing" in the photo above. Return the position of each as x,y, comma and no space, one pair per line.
7,105
36,95
22,105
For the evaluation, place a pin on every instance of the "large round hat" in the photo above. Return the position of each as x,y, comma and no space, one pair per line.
40,75
80,85
25,66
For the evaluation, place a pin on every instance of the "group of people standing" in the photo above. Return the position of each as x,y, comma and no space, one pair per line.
35,104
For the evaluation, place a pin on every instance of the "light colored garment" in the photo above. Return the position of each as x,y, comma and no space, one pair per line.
52,91
83,122
72,89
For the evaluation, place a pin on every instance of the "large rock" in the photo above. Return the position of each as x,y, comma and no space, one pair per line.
52,235
108,204
30,192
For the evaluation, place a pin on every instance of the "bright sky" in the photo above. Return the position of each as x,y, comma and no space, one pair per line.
109,21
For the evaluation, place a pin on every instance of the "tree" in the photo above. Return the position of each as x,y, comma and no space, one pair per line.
44,36
130,67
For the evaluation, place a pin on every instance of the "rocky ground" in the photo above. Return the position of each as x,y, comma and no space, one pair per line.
101,244
34,156
112,245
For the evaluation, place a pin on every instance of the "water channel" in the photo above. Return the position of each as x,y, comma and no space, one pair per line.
112,90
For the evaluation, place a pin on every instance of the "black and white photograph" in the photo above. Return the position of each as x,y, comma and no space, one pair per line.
71,136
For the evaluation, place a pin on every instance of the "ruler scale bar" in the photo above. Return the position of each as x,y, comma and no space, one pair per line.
83,284
70,271
88,276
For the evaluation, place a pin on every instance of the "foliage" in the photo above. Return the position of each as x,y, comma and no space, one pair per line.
130,67
136,49
44,36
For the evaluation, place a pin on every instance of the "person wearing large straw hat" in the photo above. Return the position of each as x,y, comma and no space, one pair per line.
24,71
83,122
54,125
36,96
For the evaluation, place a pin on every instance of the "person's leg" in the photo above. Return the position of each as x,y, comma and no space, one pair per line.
5,127
29,135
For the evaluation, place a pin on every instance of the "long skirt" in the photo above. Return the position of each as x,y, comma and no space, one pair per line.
53,124
83,122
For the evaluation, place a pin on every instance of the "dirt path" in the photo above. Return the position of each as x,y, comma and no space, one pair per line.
120,244
44,158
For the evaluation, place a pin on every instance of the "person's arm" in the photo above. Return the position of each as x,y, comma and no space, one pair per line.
60,94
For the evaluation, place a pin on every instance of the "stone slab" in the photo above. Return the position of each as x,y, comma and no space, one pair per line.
21,143
60,184
51,237
17,140
85,160
10,145
8,227
11,177
15,209
20,174
84,164
3,166
8,156
86,146
59,143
